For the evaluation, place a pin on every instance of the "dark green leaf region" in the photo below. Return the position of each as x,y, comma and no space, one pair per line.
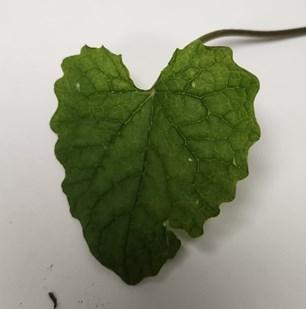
141,163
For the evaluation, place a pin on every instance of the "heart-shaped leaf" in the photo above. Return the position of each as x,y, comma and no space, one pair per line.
139,162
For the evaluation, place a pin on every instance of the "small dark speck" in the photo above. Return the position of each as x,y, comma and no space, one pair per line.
21,303
54,299
80,301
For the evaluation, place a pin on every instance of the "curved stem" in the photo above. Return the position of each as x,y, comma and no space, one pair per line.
285,33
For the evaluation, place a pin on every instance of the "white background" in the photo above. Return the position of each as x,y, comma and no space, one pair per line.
252,256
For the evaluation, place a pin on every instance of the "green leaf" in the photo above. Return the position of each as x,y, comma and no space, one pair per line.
140,162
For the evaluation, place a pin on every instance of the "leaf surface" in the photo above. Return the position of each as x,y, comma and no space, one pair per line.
140,162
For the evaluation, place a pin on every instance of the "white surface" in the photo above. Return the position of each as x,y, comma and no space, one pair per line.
252,256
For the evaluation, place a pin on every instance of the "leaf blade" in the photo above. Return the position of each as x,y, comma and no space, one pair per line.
136,159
